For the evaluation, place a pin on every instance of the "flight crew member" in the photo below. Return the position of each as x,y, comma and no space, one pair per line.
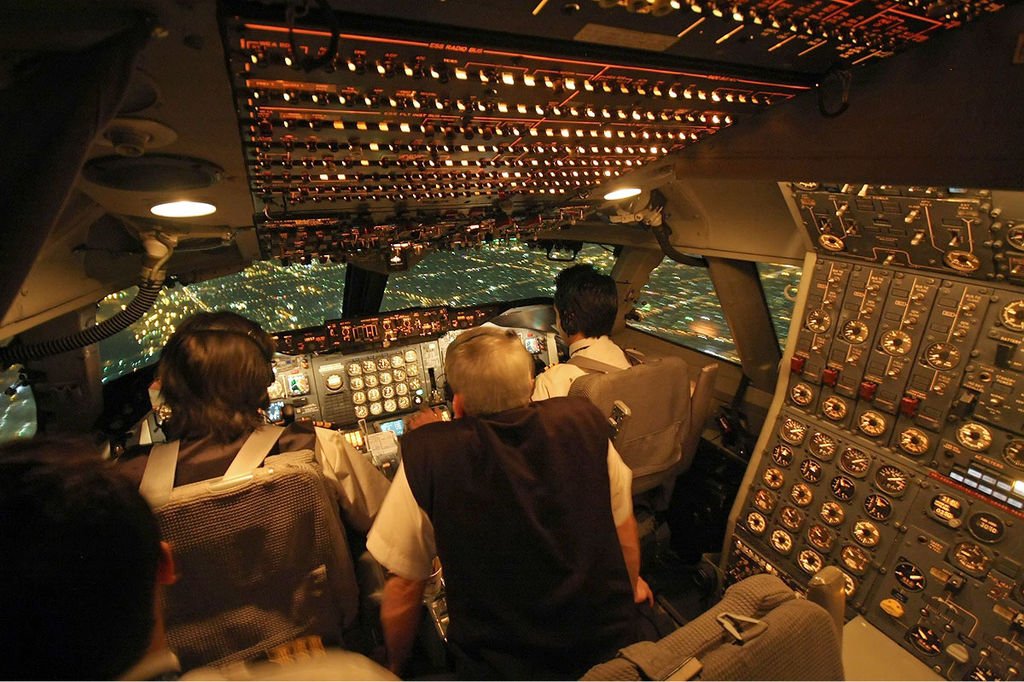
586,303
213,375
525,504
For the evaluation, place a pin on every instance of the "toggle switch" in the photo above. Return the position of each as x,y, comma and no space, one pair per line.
830,376
909,405
1004,353
867,390
796,364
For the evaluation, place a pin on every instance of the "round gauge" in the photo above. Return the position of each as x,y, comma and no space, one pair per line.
399,374
871,423
843,488
810,561
1013,453
962,261
801,495
810,470
412,369
822,446
358,397
974,436
764,500
388,392
877,507
414,384
376,409
1013,315
866,533
401,389
792,431
1015,237
942,355
834,408
275,390
818,321
986,526
890,479
410,355
849,585
385,378
913,441
801,394
910,576
856,331
369,365
756,523
821,537
404,402
373,394
397,361
970,557
782,455
947,509
832,513
896,342
791,517
356,383
383,363
773,478
370,380
390,405
362,412
354,369
855,559
925,640
854,462
334,382
831,242
781,541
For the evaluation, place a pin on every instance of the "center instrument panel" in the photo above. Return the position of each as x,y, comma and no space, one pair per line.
895,446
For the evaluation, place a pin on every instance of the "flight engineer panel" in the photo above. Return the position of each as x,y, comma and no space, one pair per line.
895,447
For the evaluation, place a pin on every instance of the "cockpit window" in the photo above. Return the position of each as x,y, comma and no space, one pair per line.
679,304
780,283
494,272
278,297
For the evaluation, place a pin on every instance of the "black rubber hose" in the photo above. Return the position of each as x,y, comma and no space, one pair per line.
140,305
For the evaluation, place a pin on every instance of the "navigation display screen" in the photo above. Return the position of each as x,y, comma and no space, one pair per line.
396,426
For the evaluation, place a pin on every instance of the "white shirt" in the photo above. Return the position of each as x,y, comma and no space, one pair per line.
402,537
556,379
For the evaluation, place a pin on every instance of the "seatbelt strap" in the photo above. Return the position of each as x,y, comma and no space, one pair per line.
255,449
158,478
655,662
591,366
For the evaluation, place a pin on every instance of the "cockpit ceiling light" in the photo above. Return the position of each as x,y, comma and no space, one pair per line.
183,209
622,193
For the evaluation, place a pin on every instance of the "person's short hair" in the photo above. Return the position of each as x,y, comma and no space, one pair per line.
80,552
491,370
586,300
214,372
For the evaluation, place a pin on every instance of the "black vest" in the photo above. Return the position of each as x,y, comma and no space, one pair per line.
520,504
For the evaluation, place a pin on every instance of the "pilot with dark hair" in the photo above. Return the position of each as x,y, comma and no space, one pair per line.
82,569
528,507
213,376
586,304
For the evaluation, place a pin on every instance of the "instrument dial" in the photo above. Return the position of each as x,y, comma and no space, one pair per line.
782,455
1015,237
764,500
866,533
843,488
822,446
821,537
801,394
810,561
987,527
782,541
947,509
388,392
791,517
962,261
831,242
810,470
385,378
925,640
1012,315
397,361
913,441
819,321
854,462
410,355
801,495
414,384
834,408
412,369
910,576
942,355
334,382
356,383
856,331
362,412
896,342
376,409
892,480
832,513
404,402
401,389
756,523
373,394
358,397
383,363
390,406
849,585
792,431
399,374
369,366
974,436
1013,453
855,559
877,507
970,557
354,369
773,478
871,423
370,380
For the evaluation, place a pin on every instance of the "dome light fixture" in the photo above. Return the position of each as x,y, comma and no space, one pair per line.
183,209
622,193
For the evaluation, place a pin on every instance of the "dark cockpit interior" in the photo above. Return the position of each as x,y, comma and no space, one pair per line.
825,198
